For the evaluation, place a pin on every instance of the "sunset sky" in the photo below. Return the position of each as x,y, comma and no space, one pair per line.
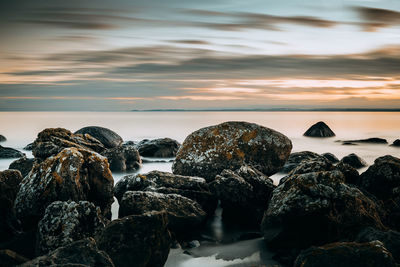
161,54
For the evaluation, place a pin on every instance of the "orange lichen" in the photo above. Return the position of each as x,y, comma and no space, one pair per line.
58,178
215,131
228,155
247,136
240,153
141,176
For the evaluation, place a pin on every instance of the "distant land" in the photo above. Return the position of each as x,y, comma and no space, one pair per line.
272,109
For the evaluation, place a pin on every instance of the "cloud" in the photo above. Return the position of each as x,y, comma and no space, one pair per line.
376,18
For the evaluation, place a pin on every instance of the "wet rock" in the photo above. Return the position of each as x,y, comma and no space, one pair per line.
107,137
298,157
24,165
10,258
2,138
195,188
52,141
332,158
29,147
373,140
66,222
314,209
158,148
346,254
137,240
184,214
123,158
320,129
354,161
83,252
9,153
396,142
130,143
351,174
210,150
73,174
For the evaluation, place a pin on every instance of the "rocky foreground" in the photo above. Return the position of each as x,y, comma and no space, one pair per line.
55,209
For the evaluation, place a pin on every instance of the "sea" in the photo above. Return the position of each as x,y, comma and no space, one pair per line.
21,128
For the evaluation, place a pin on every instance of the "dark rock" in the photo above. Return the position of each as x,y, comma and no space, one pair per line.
348,144
332,158
351,174
107,137
9,153
52,141
2,138
158,148
29,147
346,254
123,158
373,140
83,252
314,209
66,222
396,142
10,258
24,165
73,174
184,214
210,150
23,243
354,161
130,143
298,157
137,240
320,129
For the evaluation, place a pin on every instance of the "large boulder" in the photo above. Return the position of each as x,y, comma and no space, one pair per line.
354,161
123,158
346,254
195,188
229,145
137,240
331,157
106,136
158,148
10,153
2,138
296,158
320,129
184,214
24,165
73,174
66,222
52,141
79,253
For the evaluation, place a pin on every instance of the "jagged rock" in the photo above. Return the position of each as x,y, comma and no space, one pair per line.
66,222
83,252
158,148
373,140
396,142
346,254
195,188
52,141
73,174
314,209
2,138
10,258
137,240
183,213
24,165
9,153
107,137
332,158
210,150
29,147
123,158
320,129
298,157
354,161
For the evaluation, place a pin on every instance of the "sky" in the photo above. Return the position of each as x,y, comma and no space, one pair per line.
120,55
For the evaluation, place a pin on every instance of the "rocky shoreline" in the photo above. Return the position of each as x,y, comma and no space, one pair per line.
56,208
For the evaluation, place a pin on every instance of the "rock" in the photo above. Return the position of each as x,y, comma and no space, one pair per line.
107,137
137,240
332,158
10,258
2,138
195,188
24,165
66,222
373,140
298,157
29,147
396,142
210,150
348,144
354,161
130,143
244,195
123,158
79,253
320,129
73,174
9,153
184,214
351,174
158,148
52,141
314,209
22,243
346,254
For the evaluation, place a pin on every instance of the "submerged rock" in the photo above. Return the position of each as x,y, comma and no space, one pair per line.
396,142
210,150
24,165
9,153
332,158
123,158
298,157
354,161
374,140
107,137
2,138
158,148
73,174
137,240
320,129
